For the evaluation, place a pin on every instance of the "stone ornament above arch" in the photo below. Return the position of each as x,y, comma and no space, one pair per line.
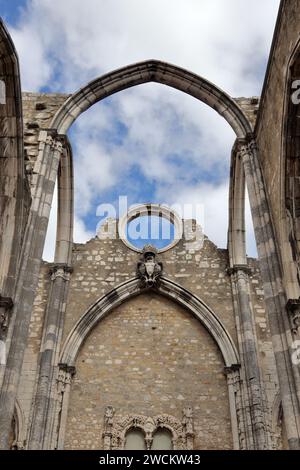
151,71
116,427
103,306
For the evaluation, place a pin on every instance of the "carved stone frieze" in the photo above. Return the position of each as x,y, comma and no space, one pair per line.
116,427
60,270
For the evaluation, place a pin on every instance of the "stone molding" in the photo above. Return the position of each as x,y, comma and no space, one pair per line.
131,288
116,427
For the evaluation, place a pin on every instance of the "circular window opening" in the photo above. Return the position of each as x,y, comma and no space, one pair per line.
150,229
150,224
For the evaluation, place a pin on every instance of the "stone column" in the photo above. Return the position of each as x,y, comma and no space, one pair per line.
275,297
64,379
258,436
108,427
43,403
50,149
237,426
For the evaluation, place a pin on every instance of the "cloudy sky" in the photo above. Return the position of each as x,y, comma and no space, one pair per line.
150,143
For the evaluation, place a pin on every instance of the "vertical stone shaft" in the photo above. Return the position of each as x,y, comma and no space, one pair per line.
254,387
32,249
44,403
48,359
274,293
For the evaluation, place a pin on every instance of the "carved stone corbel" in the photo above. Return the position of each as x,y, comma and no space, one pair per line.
60,270
239,267
6,304
148,269
293,309
65,375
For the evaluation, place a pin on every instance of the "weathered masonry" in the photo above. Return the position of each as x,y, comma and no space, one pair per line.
189,347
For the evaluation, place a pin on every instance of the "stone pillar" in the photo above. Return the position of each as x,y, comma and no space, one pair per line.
43,403
275,298
188,426
258,435
237,425
64,379
108,427
50,149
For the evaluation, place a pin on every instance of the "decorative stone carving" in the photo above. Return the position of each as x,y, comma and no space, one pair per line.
246,146
293,308
116,427
60,270
6,304
187,420
239,267
65,375
148,269
109,418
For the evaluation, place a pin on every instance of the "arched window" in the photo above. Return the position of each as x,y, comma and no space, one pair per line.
162,440
135,440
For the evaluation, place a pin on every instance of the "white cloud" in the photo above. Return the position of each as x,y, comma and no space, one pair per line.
171,138
81,234
217,39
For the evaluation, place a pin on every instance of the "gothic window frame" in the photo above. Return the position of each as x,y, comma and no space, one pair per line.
117,426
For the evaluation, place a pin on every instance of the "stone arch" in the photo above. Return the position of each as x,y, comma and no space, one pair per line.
181,437
131,288
151,71
170,75
107,304
14,192
247,151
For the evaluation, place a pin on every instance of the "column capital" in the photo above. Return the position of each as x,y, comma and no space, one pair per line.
231,369
241,142
6,302
293,309
71,370
61,270
239,267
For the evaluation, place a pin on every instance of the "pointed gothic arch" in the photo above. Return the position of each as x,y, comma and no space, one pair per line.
103,306
106,304
152,71
14,191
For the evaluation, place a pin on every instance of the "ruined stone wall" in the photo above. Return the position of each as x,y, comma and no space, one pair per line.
38,111
149,357
149,343
172,358
270,125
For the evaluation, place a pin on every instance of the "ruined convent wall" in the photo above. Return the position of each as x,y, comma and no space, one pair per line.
271,124
134,357
149,355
